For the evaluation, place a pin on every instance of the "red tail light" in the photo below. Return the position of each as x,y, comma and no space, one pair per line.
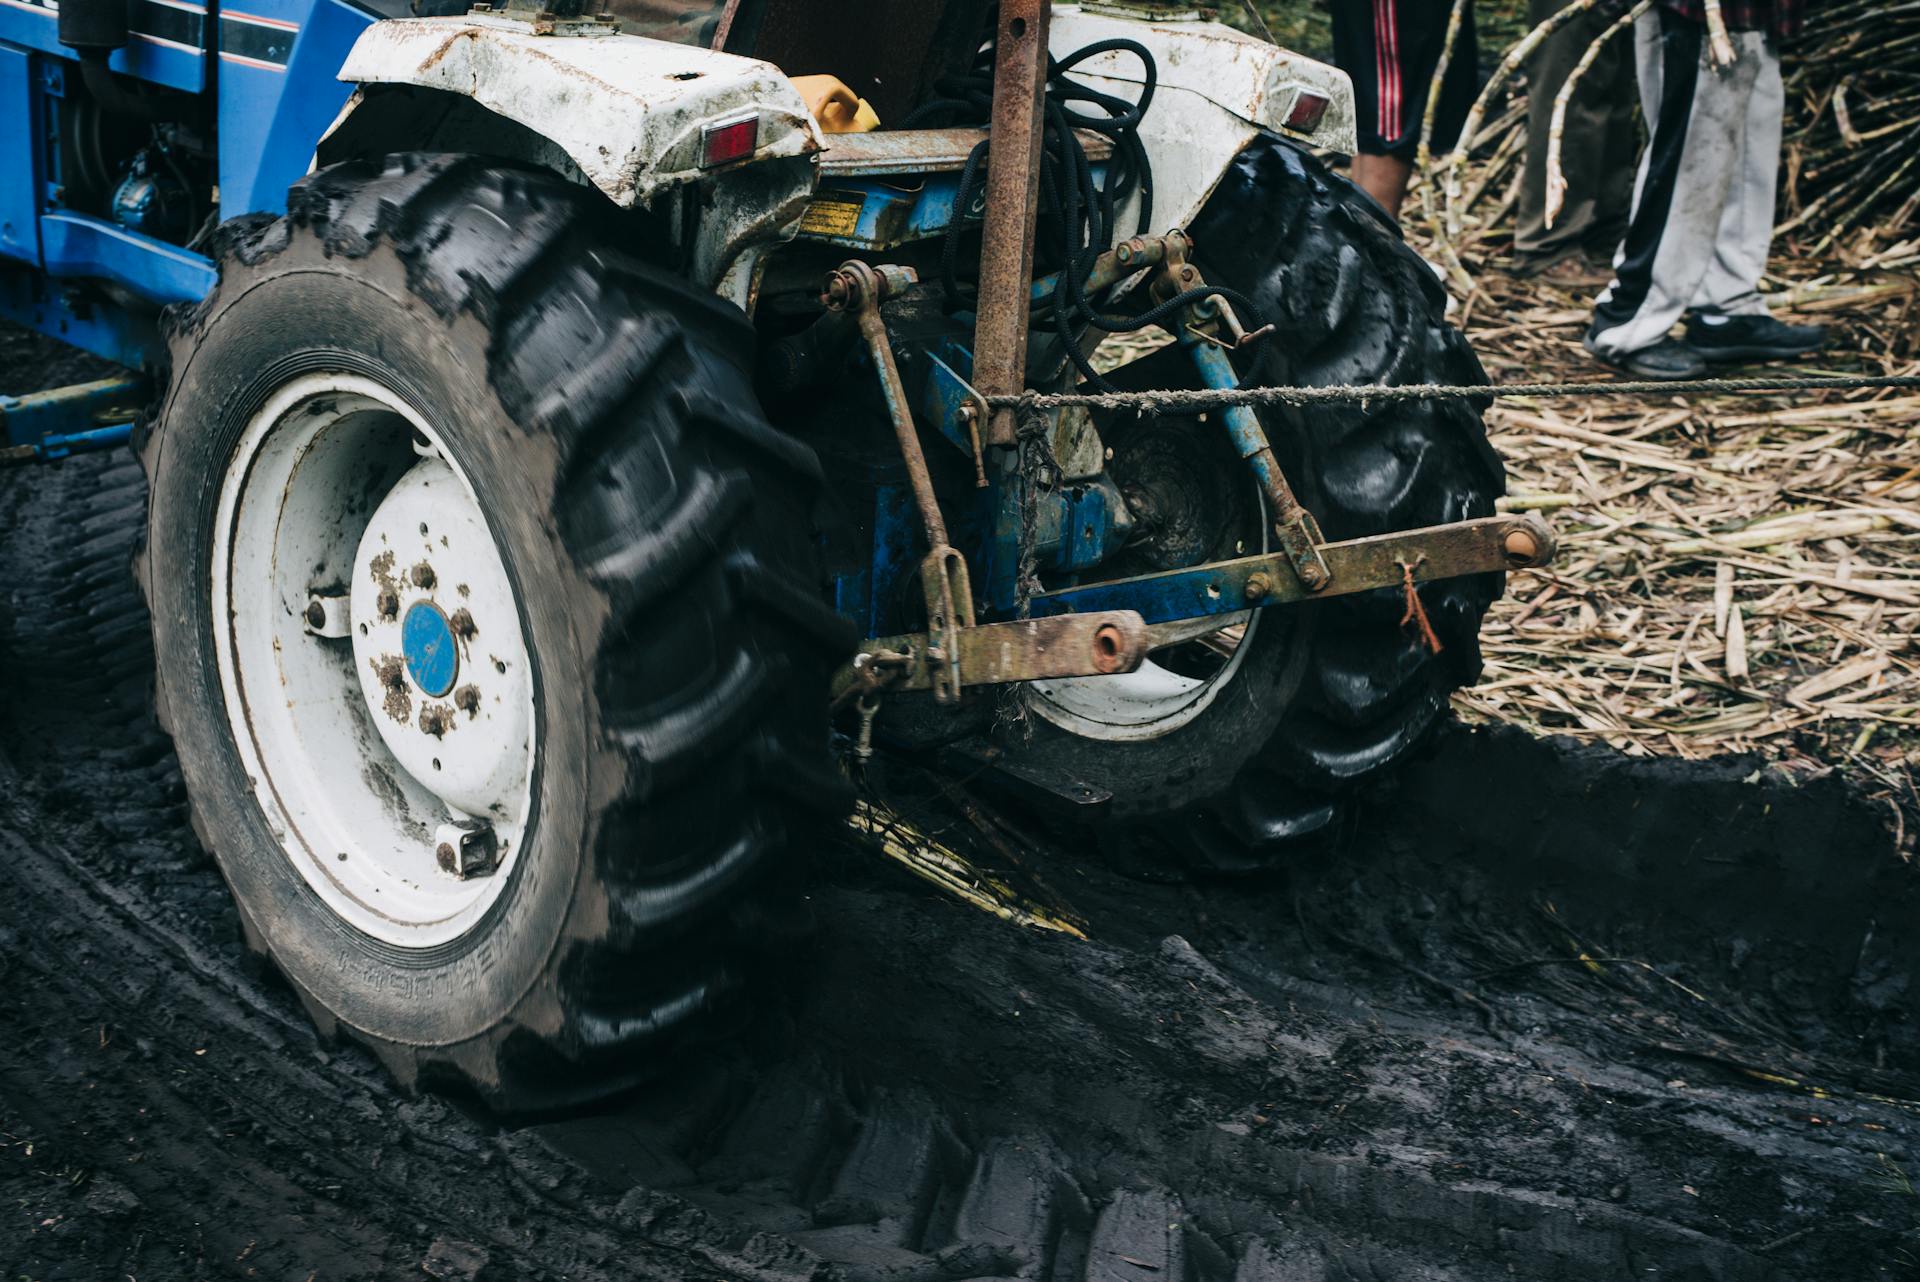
1306,111
729,140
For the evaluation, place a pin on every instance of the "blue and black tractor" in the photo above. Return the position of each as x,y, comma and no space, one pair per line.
564,426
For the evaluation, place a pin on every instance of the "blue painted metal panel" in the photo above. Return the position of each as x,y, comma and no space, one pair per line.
278,94
898,544
21,138
893,211
111,333
1160,598
80,245
888,214
167,45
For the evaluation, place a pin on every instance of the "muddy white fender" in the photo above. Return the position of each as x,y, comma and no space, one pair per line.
635,116
1217,89
632,117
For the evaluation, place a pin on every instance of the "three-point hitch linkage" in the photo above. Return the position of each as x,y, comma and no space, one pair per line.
1108,627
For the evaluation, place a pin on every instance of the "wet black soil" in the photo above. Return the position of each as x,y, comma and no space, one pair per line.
1542,1013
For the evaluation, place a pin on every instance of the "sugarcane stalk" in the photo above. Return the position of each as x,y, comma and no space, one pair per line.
1556,176
1423,156
1520,52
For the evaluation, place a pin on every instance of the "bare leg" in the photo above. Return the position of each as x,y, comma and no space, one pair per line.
1384,178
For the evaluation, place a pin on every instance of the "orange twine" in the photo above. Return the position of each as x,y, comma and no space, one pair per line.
1416,612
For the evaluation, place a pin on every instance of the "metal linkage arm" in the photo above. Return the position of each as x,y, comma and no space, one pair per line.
70,420
1077,645
1357,565
860,288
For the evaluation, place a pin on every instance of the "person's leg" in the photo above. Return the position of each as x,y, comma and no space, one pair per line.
1616,139
1730,320
1731,284
1384,178
1363,42
1413,35
1685,181
1589,112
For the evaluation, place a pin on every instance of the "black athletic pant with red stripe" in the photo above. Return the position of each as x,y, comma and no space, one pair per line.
1390,49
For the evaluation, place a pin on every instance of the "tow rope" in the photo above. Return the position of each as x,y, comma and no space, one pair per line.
1187,400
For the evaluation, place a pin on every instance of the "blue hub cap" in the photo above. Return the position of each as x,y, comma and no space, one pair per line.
426,641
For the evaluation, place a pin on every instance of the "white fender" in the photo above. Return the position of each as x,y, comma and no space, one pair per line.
628,111
1217,88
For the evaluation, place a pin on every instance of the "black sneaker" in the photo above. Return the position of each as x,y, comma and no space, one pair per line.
1753,338
1667,361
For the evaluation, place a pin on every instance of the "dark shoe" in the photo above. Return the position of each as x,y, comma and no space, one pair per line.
1568,267
1753,338
1667,361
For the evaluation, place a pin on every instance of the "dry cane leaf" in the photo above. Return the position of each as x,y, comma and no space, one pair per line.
1736,646
1839,678
1722,597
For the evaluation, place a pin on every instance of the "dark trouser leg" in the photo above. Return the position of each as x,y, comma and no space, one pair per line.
1597,145
1618,143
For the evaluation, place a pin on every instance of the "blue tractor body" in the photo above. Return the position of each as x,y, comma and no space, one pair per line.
266,78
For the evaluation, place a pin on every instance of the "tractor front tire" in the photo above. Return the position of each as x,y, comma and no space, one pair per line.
607,625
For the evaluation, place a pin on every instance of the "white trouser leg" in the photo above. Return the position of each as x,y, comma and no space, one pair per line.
1688,176
1731,285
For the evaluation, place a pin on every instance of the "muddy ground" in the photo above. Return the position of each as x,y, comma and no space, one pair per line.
1542,1013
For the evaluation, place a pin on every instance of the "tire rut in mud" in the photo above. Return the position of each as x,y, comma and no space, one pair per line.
1328,1076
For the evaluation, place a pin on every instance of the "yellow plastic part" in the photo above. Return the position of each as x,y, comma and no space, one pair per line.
837,108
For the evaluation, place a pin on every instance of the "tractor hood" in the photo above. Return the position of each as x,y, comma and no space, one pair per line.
635,115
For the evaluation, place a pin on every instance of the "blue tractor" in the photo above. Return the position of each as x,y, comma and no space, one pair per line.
559,420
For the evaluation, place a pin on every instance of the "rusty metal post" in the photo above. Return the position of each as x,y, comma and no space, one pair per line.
1013,192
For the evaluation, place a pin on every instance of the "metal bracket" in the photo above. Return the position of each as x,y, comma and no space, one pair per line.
958,409
327,614
949,597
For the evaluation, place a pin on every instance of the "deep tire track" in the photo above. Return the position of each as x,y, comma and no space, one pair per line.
1274,1069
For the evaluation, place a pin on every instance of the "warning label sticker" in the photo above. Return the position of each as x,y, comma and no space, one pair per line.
832,216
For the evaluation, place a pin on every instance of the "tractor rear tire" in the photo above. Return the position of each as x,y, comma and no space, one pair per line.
1324,695
655,533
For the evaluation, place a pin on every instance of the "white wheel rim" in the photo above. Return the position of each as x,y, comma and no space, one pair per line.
363,772
1152,700
1143,704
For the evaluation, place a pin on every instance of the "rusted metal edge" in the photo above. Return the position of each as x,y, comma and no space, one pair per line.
1067,645
1357,565
922,151
1013,189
